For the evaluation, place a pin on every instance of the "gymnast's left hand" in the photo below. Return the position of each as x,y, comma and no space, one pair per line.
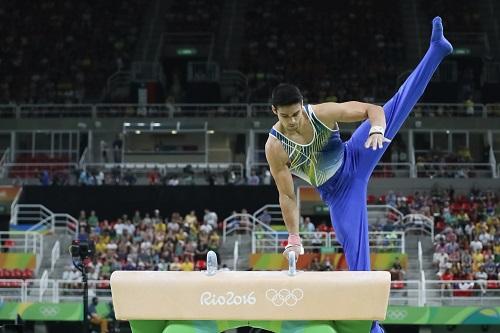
376,141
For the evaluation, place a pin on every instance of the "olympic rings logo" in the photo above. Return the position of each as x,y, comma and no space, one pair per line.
49,311
284,296
397,314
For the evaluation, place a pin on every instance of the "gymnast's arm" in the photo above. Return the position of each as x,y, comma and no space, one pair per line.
331,113
277,159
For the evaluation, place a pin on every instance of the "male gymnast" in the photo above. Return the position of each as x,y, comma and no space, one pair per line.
306,142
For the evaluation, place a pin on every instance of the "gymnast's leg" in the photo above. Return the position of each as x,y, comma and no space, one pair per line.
400,105
350,222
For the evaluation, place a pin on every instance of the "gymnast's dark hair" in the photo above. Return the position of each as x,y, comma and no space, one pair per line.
286,94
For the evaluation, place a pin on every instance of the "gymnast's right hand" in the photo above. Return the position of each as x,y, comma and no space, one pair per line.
294,244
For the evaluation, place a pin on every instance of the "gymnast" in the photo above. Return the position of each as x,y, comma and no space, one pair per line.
306,142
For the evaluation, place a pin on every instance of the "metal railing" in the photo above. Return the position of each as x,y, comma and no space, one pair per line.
8,111
55,255
33,170
407,292
41,218
420,256
383,213
273,210
423,291
144,168
55,111
3,161
44,284
244,223
236,255
382,170
265,241
376,213
462,292
83,157
418,222
455,170
23,242
12,290
14,208
392,170
71,291
449,110
241,110
493,110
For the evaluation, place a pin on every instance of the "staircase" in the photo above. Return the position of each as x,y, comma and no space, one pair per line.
413,272
411,30
226,251
64,258
152,31
489,11
231,33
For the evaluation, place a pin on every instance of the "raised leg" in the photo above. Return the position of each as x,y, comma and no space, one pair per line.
400,105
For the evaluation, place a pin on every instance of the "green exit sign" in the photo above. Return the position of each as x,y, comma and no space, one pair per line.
321,209
187,51
461,51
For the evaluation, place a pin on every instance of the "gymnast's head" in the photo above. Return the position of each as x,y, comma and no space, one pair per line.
287,104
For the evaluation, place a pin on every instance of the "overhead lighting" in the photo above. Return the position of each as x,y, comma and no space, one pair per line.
126,124
210,131
174,132
156,124
140,124
137,132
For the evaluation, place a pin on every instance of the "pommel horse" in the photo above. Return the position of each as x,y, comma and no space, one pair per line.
282,302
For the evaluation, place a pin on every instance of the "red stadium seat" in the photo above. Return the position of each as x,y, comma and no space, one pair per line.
462,293
27,274
17,273
397,284
371,199
15,284
493,284
7,274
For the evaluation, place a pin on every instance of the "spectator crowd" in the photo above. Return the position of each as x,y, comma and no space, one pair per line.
147,242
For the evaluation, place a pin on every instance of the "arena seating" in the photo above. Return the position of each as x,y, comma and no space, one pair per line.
322,47
64,51
14,274
150,243
194,16
459,15
467,246
30,166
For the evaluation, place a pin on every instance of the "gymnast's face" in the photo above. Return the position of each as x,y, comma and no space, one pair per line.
290,116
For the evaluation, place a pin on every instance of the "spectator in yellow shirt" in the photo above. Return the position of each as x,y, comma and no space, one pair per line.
191,218
477,261
187,265
160,227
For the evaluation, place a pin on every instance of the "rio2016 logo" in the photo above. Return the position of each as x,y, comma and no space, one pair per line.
230,298
288,297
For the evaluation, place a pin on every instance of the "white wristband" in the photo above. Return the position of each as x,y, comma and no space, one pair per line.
377,129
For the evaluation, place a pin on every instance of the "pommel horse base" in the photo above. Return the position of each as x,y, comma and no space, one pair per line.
281,302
